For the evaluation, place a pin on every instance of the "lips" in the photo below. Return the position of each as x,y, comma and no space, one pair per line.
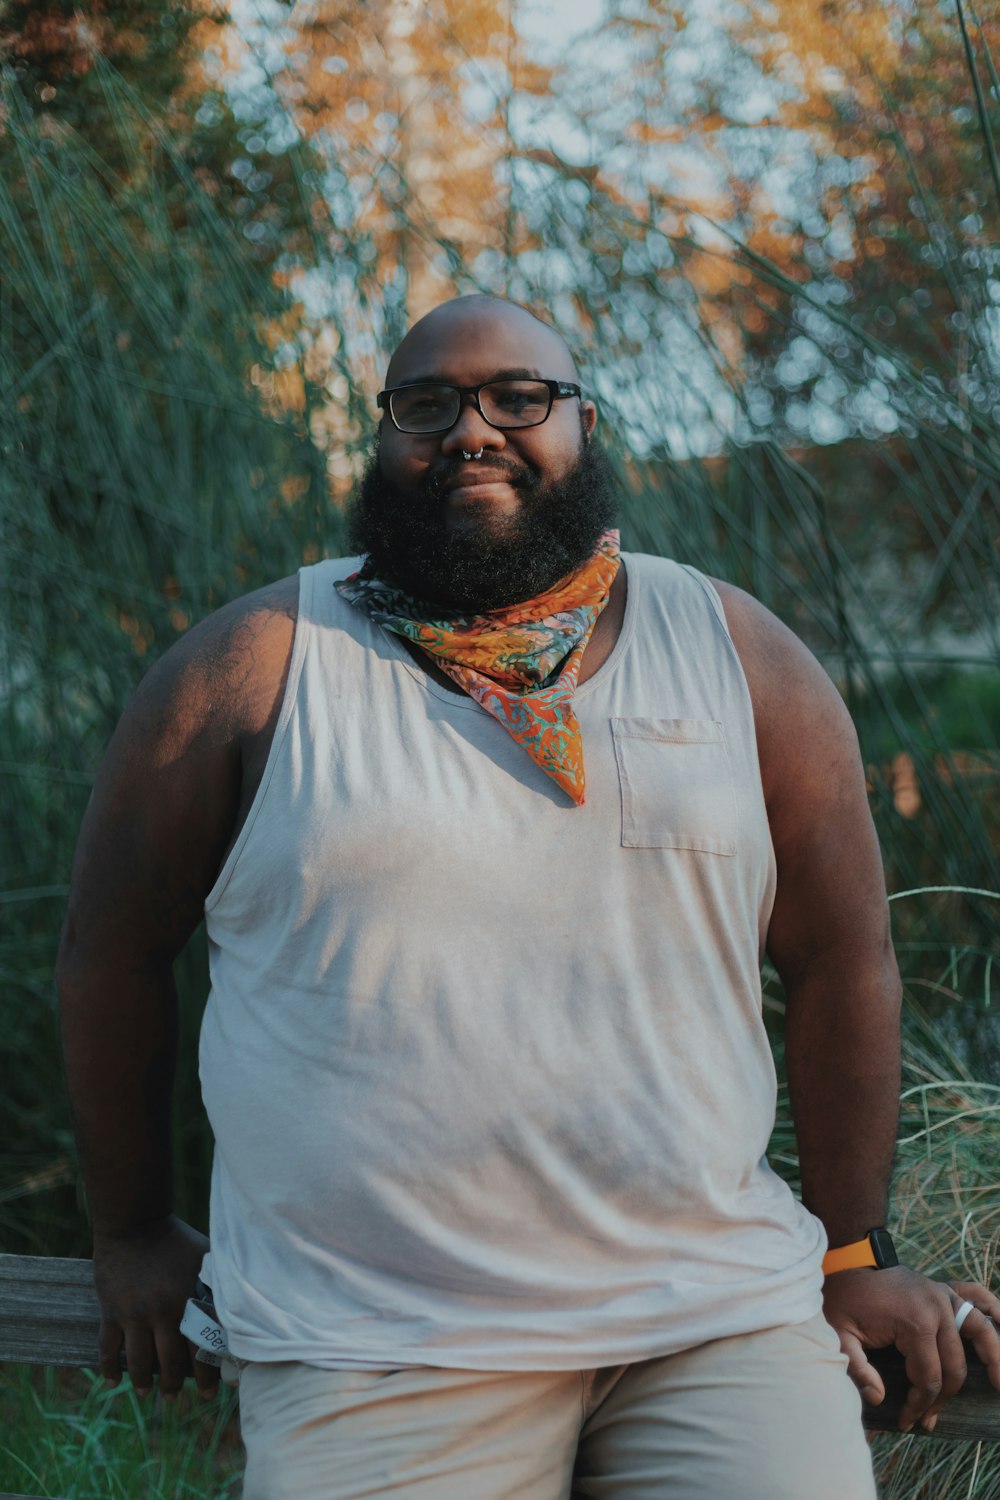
463,484
477,478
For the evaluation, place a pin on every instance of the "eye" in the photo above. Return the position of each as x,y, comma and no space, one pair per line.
518,397
419,405
424,408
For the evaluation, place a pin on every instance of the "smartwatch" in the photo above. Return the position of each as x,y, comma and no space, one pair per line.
876,1249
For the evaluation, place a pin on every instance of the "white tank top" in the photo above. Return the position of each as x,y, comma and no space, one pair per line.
487,1071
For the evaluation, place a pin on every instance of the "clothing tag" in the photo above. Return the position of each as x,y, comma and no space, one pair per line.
201,1326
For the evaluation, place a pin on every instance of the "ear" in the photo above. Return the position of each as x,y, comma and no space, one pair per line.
588,419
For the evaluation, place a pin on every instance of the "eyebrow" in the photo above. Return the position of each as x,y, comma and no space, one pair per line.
516,374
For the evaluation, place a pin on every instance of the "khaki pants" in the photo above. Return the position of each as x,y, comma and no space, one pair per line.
765,1416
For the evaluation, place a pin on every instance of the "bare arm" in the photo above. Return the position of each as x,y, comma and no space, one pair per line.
165,805
829,935
829,939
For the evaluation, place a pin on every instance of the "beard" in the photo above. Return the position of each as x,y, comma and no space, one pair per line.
411,542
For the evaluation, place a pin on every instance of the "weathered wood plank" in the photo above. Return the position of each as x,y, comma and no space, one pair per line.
48,1311
49,1316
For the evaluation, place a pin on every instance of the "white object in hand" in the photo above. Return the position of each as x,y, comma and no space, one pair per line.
963,1312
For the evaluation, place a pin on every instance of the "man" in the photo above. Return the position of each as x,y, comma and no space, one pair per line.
490,835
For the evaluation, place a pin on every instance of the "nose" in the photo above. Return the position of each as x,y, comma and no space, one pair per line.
471,432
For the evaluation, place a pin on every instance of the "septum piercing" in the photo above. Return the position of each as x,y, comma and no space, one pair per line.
472,455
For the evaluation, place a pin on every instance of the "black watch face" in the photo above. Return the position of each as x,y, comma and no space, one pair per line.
883,1249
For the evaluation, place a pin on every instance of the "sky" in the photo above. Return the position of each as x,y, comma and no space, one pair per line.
549,24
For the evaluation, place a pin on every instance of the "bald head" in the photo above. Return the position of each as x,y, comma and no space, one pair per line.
481,330
482,512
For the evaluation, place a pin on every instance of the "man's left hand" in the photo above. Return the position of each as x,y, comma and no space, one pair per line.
876,1309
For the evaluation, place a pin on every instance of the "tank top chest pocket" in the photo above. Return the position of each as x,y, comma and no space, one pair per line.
676,784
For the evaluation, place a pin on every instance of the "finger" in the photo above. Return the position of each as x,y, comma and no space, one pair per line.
862,1371
980,1296
985,1339
110,1350
954,1369
172,1355
206,1376
923,1371
139,1357
206,1379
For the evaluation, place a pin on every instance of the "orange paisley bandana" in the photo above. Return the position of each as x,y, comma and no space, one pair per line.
522,663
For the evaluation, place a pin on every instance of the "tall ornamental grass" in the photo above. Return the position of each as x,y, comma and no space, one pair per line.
66,1435
147,475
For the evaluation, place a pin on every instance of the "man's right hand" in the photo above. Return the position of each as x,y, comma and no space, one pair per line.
144,1278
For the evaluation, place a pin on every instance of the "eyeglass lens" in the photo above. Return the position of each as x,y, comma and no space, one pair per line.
504,403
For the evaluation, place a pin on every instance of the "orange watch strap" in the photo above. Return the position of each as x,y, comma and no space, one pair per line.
848,1257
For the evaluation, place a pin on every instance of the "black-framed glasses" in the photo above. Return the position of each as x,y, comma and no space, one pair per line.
435,407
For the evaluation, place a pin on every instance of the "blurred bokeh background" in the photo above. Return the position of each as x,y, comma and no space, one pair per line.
770,232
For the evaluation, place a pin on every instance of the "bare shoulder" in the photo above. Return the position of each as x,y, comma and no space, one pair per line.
774,659
229,669
803,727
215,688
830,897
167,795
